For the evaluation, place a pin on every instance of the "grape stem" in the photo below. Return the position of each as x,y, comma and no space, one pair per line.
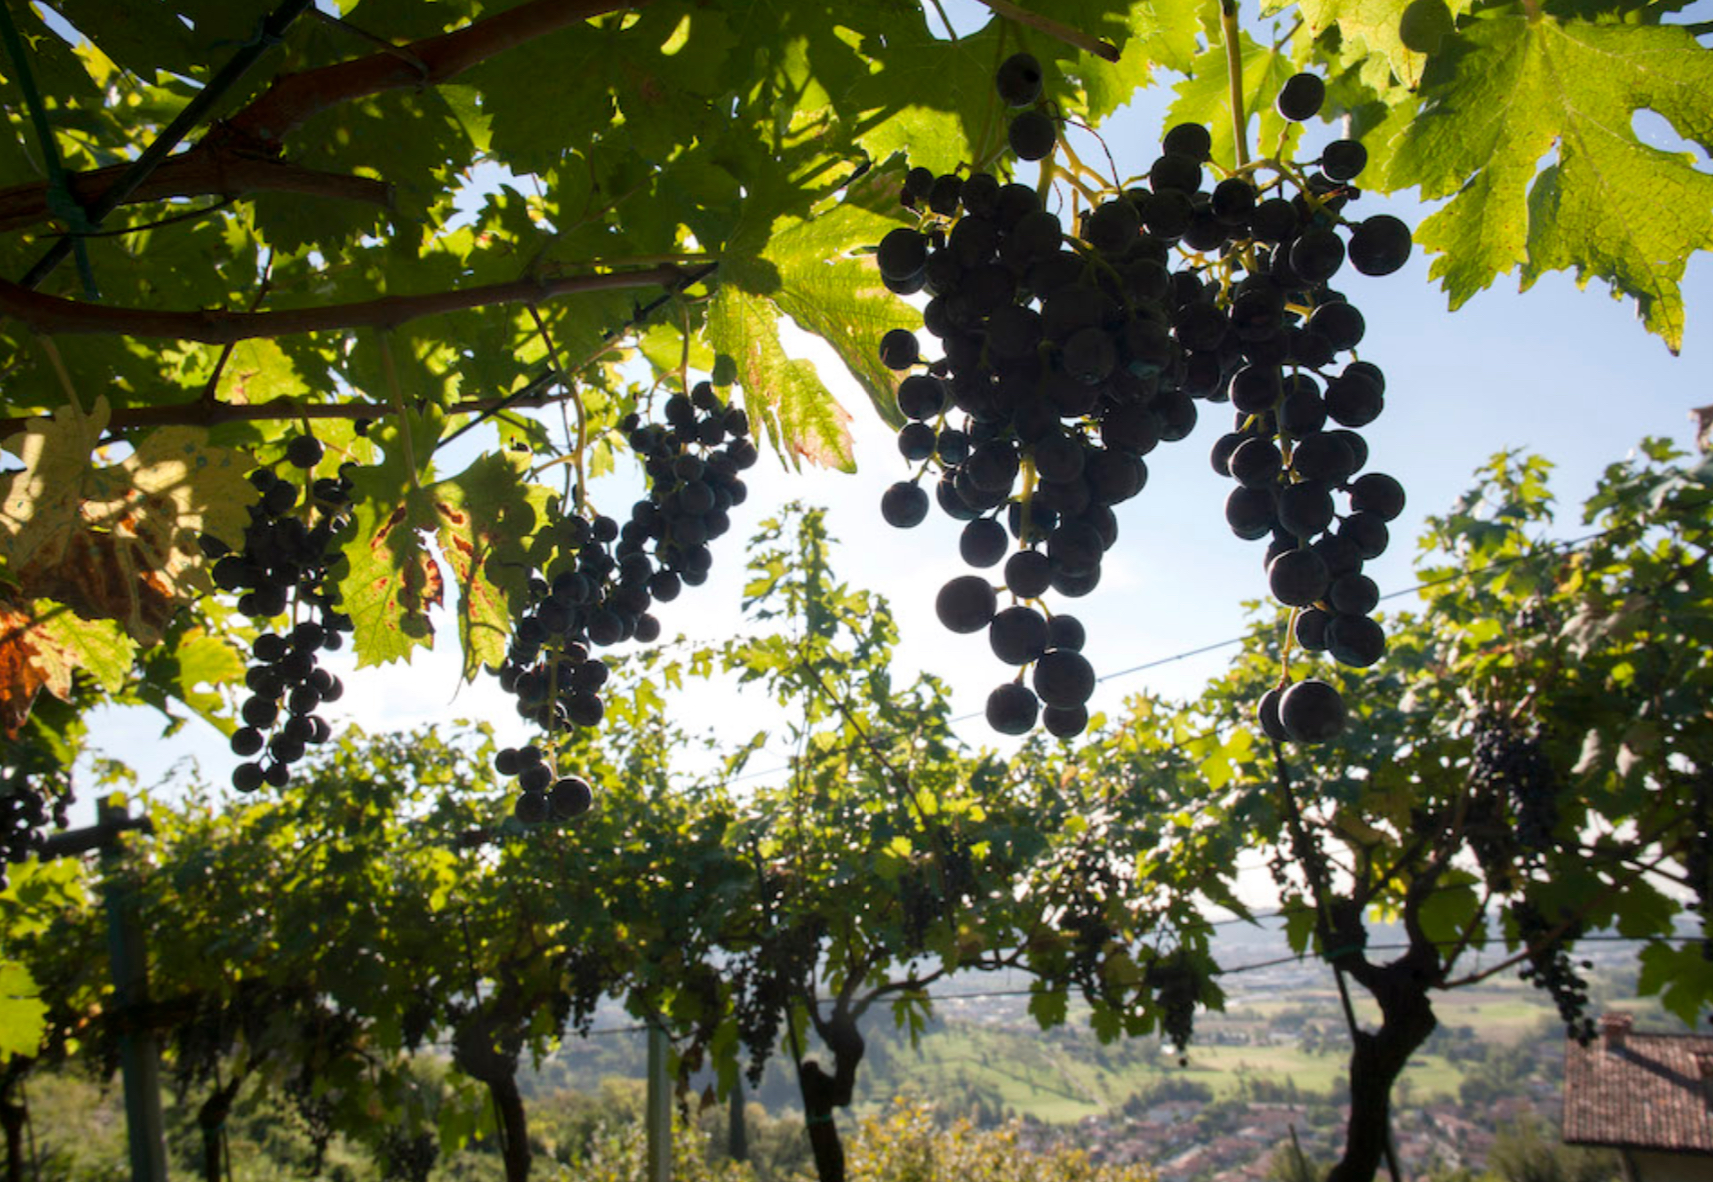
1058,32
1234,75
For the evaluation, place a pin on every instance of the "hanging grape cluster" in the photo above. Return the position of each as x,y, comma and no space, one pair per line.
598,590
34,787
1509,763
766,980
1551,968
1067,358
289,547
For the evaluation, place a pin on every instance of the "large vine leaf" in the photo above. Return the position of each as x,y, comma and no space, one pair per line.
481,521
1391,39
785,397
835,293
1513,88
118,542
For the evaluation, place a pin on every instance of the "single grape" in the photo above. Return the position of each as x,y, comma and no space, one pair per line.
1267,715
1312,711
304,451
1353,594
1356,641
1065,722
1379,245
966,604
1019,80
1012,709
1028,574
1342,160
1032,136
1310,629
1063,678
899,349
1066,632
1301,96
1189,139
904,505
570,797
531,807
1297,578
1018,635
1377,493
902,253
983,542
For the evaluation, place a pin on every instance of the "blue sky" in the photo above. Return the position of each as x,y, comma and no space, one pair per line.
1564,373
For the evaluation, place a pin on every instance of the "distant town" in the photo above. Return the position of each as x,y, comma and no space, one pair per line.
1266,1074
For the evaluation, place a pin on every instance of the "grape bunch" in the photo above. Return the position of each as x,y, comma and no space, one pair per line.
34,788
1551,968
1067,358
766,981
1177,990
1294,450
604,578
289,547
1509,763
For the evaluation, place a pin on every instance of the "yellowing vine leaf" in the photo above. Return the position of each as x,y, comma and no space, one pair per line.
1512,89
118,542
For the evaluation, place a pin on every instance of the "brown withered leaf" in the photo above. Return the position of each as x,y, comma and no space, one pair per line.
42,644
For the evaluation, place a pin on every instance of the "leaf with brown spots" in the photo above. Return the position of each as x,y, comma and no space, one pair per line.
117,542
486,515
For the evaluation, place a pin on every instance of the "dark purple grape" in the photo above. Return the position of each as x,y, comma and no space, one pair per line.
1012,709
966,604
1312,711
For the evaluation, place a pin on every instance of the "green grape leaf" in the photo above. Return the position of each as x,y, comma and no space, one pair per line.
1047,1006
1205,98
118,542
198,659
23,1014
1681,976
1512,89
485,516
788,403
839,297
1385,37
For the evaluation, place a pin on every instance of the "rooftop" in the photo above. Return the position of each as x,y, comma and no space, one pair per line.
1640,1091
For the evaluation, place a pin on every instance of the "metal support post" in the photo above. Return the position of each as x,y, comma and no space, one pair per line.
139,1053
659,1115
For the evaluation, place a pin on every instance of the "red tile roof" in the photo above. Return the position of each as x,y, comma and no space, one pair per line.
1654,1091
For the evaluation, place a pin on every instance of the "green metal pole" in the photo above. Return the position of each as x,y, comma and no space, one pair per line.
139,1054
659,1115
